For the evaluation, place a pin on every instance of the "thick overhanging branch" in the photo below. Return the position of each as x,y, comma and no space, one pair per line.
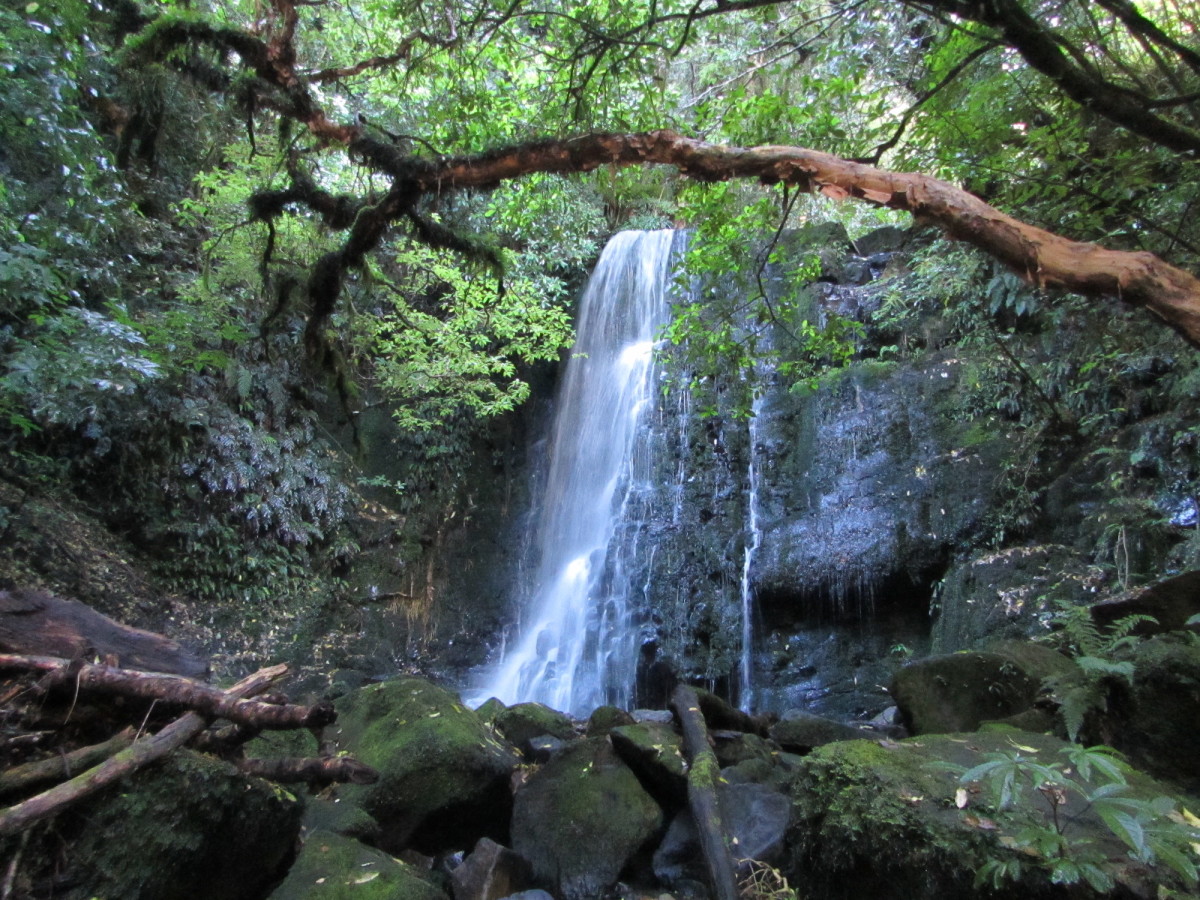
1042,257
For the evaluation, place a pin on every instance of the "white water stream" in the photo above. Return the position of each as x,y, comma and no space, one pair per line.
577,644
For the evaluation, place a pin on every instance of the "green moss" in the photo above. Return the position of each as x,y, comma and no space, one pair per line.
433,755
187,828
883,819
332,867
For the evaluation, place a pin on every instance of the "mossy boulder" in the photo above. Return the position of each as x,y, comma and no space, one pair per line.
522,722
605,718
882,819
581,819
443,774
1154,719
333,867
956,692
799,732
654,751
186,828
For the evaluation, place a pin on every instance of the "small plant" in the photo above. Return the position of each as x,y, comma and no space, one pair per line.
760,881
1095,654
1047,799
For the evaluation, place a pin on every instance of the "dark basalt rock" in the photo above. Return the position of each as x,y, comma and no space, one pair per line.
581,819
946,694
443,774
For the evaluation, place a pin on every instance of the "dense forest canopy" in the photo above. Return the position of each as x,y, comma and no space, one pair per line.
222,219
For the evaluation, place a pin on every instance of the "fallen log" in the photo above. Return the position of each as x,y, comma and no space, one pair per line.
55,768
172,690
49,803
35,622
703,772
314,770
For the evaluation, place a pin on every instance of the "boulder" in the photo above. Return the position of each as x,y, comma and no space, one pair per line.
733,747
1153,719
188,827
755,819
655,754
490,872
581,819
887,819
489,709
800,732
1171,603
332,867
605,718
524,721
944,694
443,774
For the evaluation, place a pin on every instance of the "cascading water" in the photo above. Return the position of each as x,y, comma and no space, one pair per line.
745,663
577,647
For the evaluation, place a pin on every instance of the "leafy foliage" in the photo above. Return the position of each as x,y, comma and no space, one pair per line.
1155,831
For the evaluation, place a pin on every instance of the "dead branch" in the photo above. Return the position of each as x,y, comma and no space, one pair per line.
49,803
56,768
703,772
171,690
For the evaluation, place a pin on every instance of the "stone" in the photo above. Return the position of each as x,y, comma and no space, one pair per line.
523,721
1009,594
798,731
662,716
605,718
755,818
333,867
956,692
188,827
655,754
489,872
542,747
733,747
885,819
581,818
489,709
443,773
1171,603
1153,720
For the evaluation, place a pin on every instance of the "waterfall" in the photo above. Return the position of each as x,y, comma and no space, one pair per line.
745,667
577,647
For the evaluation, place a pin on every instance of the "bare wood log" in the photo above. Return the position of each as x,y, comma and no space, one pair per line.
49,803
174,690
313,770
57,768
703,772
37,622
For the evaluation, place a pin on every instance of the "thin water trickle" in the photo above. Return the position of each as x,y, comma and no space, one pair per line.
754,538
577,648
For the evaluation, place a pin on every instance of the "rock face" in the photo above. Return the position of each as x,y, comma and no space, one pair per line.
443,773
191,828
581,819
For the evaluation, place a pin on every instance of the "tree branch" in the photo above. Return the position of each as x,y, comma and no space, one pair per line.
17,818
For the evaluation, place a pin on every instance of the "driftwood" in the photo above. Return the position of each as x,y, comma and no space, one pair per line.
703,772
38,623
311,770
19,817
170,690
